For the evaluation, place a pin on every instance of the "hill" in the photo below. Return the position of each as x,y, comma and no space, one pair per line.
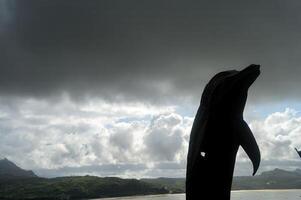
16,183
174,185
275,179
9,170
76,187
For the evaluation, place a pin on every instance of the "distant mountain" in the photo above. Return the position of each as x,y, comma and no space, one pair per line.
275,179
9,170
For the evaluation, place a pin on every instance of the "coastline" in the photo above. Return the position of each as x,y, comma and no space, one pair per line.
182,194
267,190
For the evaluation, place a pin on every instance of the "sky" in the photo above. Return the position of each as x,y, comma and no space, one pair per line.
111,87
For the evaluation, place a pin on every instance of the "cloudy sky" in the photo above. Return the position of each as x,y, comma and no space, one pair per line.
111,87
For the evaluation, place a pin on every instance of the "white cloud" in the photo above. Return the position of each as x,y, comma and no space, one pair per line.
165,137
59,135
277,135
63,135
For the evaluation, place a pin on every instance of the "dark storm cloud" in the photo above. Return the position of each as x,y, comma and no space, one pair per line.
131,49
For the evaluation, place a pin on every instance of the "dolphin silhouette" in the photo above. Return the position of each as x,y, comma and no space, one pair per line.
217,132
299,152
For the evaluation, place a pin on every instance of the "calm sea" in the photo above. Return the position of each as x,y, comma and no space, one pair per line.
236,195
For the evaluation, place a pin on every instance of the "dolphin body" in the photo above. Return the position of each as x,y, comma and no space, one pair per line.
217,132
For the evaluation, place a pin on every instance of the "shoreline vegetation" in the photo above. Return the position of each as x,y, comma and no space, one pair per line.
16,184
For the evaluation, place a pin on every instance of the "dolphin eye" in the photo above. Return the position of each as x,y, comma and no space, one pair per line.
203,154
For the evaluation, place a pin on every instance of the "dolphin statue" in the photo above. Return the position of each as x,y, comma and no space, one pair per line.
299,152
217,132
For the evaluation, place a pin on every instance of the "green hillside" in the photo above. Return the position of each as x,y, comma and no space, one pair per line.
17,184
77,187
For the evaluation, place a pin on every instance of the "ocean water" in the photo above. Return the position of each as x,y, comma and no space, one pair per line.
236,195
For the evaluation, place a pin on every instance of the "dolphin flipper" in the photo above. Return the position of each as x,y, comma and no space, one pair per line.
249,144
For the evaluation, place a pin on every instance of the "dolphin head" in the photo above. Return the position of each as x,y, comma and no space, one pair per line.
226,93
236,86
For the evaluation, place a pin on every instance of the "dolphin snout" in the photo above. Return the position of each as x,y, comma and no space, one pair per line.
248,75
252,68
